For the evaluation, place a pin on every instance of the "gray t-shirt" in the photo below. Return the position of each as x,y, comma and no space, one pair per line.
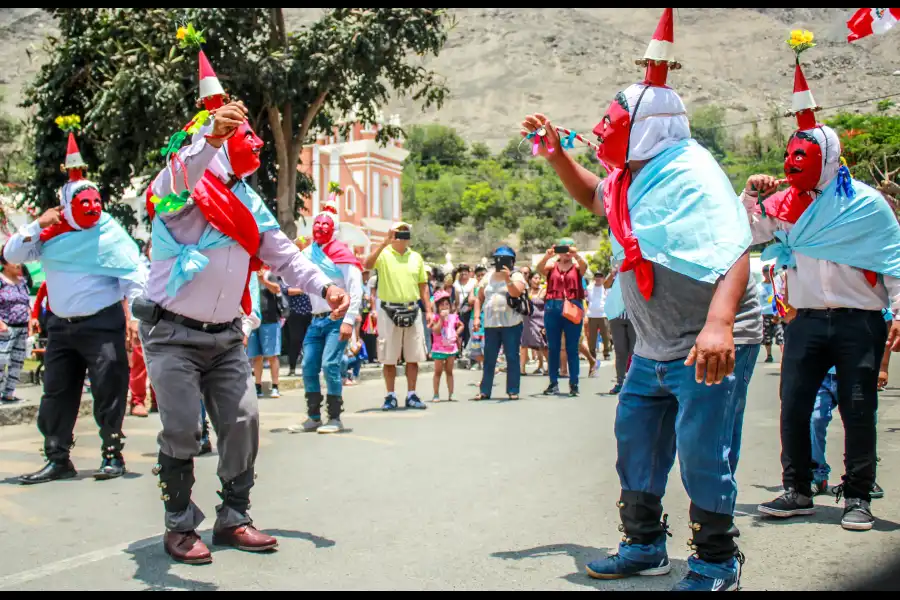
668,325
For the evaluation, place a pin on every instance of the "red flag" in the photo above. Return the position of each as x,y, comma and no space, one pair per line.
872,21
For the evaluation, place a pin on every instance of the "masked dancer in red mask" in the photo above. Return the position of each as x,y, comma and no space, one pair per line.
92,265
840,241
211,233
681,237
326,340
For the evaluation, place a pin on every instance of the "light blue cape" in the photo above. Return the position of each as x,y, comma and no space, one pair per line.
686,217
860,232
105,249
190,259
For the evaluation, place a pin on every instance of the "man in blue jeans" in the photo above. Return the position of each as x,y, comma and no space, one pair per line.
682,238
327,338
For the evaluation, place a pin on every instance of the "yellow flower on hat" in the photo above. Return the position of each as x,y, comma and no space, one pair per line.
801,40
182,33
69,123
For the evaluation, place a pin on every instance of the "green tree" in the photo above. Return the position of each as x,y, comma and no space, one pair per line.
120,70
436,146
14,167
480,151
537,234
601,261
707,126
431,240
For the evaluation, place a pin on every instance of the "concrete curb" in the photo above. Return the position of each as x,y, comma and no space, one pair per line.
26,412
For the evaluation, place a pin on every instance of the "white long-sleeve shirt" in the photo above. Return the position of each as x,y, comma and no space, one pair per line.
351,281
72,295
820,284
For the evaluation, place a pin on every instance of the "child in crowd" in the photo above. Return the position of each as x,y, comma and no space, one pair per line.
353,360
446,330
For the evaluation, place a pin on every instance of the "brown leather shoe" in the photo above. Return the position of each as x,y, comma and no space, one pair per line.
246,538
187,548
140,411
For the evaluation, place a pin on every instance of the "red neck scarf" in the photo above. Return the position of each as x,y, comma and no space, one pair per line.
615,197
226,213
340,254
56,230
789,206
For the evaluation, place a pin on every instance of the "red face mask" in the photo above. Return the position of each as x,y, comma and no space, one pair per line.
323,230
243,151
803,162
87,208
613,133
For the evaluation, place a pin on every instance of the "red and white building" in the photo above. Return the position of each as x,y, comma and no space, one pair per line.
369,175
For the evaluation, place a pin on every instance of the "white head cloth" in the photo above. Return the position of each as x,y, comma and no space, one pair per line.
68,192
660,123
830,144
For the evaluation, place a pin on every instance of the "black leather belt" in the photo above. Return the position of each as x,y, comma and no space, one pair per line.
213,328
812,312
77,320
322,315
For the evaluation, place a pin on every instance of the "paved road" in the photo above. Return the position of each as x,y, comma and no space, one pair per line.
466,496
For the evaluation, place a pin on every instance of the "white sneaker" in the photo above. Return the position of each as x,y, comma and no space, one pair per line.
311,426
275,394
334,426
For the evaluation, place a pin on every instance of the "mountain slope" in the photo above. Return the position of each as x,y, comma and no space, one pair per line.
502,63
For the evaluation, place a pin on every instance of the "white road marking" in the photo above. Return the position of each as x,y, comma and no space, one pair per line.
76,562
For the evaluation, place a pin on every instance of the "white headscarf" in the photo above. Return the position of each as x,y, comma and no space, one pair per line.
660,122
68,193
830,144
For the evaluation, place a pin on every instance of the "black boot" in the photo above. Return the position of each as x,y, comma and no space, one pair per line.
714,536
335,408
643,522
113,465
58,466
314,405
236,494
176,480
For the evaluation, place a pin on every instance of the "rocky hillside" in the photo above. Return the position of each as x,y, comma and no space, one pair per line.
569,62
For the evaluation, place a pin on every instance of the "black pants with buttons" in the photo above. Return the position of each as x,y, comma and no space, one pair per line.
95,346
854,342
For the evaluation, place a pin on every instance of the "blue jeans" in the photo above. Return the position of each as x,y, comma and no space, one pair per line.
823,413
557,325
662,409
511,340
322,353
265,341
353,364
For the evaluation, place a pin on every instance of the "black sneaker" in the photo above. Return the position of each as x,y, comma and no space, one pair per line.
857,515
877,492
791,504
553,390
573,391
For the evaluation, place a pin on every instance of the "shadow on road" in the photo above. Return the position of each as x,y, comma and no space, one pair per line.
81,477
153,569
320,542
582,555
825,515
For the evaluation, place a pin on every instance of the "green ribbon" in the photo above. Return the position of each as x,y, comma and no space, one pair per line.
174,145
173,203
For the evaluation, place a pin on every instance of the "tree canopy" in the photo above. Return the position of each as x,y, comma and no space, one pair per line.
122,71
